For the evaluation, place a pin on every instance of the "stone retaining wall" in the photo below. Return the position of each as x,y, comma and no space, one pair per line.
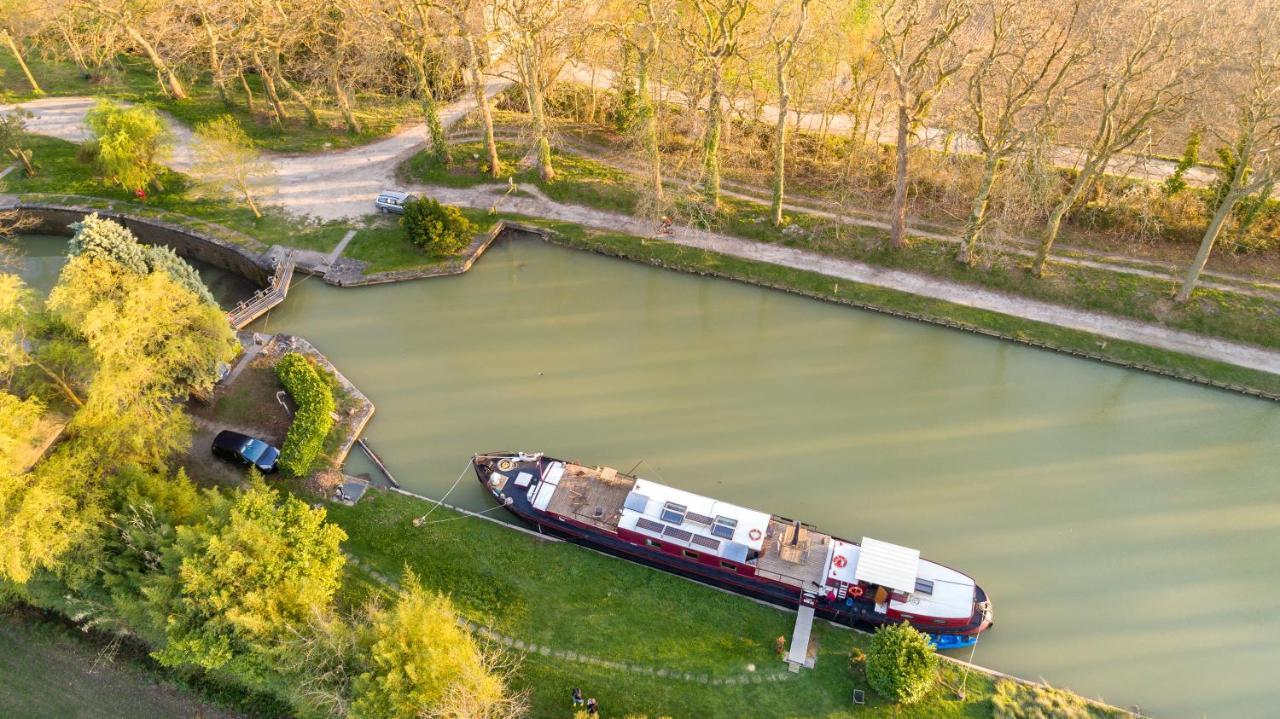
186,242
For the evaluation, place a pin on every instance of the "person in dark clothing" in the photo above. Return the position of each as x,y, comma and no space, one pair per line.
577,698
593,708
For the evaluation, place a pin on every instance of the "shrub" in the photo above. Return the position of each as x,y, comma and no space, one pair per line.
314,418
901,663
436,228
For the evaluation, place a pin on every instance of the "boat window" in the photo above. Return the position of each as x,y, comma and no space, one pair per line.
924,586
653,543
673,513
729,565
690,555
724,527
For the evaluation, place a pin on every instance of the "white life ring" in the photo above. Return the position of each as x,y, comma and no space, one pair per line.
754,534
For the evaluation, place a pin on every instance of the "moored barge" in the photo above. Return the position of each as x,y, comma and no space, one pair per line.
760,555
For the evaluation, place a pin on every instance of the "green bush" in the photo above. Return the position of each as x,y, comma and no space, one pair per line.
435,228
901,663
314,418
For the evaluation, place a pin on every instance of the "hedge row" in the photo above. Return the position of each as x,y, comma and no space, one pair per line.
314,418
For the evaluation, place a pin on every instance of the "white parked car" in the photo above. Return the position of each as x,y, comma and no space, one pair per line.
392,201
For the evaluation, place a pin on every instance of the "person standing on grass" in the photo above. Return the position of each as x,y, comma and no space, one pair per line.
577,698
593,708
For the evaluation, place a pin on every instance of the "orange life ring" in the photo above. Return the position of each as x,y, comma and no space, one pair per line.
855,591
839,562
754,534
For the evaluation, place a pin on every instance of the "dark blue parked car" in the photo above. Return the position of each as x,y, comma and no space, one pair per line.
245,451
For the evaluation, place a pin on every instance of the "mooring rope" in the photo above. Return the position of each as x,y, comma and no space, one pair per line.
468,515
423,519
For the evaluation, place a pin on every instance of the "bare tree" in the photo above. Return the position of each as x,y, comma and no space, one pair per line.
410,26
136,21
463,19
643,32
19,19
1143,61
712,41
785,36
918,43
1254,146
1015,90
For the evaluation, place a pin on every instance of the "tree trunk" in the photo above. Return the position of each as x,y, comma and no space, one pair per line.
780,148
17,55
711,142
248,92
978,213
248,198
1054,223
482,102
545,170
162,69
76,53
313,118
269,85
649,118
215,62
344,103
431,115
899,222
1206,246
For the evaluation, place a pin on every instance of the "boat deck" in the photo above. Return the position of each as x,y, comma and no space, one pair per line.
592,496
807,572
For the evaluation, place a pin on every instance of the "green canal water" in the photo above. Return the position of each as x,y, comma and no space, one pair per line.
1126,526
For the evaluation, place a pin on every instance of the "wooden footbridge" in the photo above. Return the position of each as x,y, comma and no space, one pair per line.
264,299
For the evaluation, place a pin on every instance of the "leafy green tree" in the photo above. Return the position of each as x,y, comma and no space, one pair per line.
20,428
146,510
435,228
106,239
47,512
901,663
20,324
153,343
227,163
129,144
419,662
247,579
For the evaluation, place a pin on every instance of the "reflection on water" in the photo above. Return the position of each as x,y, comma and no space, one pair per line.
42,256
1125,525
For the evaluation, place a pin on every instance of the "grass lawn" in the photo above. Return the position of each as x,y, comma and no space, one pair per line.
51,671
382,244
134,81
572,599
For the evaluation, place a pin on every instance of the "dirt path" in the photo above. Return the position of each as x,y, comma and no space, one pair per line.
324,185
343,183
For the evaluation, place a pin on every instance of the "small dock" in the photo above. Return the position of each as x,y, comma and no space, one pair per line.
265,299
798,655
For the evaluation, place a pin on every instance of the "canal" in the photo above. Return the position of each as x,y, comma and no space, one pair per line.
1125,525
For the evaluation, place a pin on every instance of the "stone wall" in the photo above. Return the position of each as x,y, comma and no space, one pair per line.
186,242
